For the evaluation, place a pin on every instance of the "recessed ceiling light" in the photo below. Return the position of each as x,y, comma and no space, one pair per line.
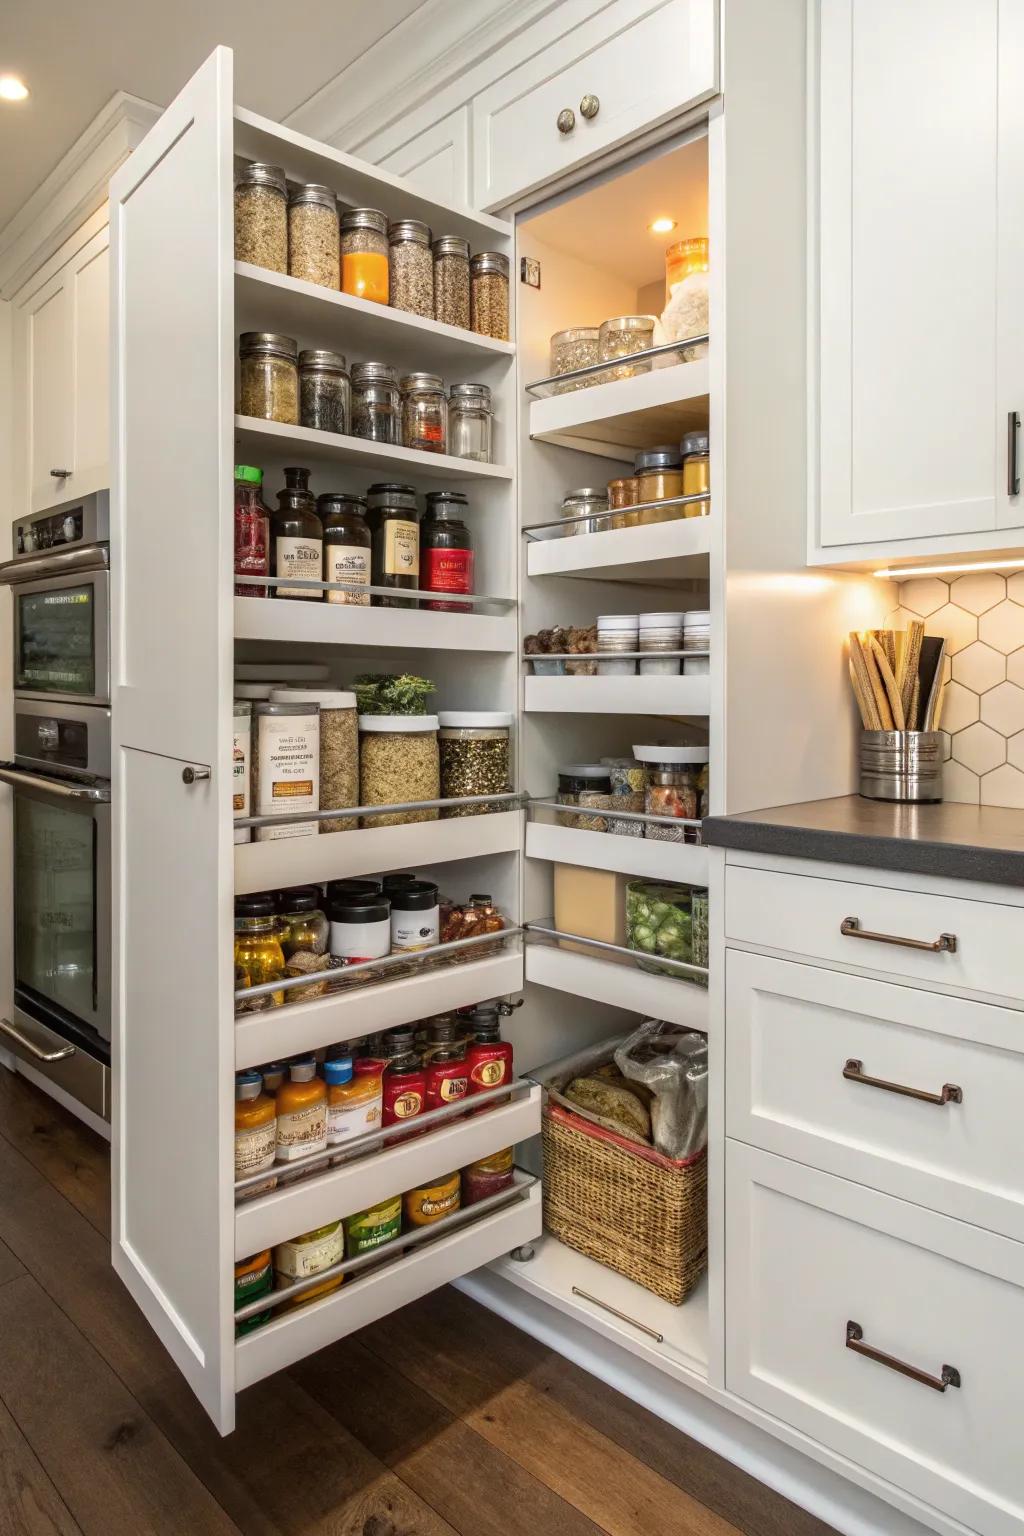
12,89
661,226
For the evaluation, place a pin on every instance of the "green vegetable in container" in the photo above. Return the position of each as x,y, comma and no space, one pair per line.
658,922
383,693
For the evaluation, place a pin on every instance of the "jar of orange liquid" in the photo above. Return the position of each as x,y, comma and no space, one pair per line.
301,1106
364,254
354,1094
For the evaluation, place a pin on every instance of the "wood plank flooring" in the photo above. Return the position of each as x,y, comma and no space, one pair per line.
441,1421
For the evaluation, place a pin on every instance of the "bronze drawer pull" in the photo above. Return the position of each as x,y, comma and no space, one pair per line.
951,1094
855,1340
945,944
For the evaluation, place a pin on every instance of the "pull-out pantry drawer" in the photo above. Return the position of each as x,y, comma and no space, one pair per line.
948,941
910,1092
882,1330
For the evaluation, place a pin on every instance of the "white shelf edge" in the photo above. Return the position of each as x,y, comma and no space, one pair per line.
622,985
578,410
634,695
344,449
313,623
646,858
617,551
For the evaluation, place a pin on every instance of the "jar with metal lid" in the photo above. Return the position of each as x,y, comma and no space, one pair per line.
398,765
259,956
395,550
659,475
695,448
475,758
313,239
589,787
673,789
325,394
364,254
261,216
470,424
412,267
622,337
590,499
268,377
446,550
346,545
286,768
339,749
488,274
576,347
376,403
623,495
451,280
302,922
424,413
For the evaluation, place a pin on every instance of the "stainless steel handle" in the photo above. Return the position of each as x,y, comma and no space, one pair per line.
1012,466
60,474
10,1029
624,1317
54,786
55,563
193,774
945,944
950,1376
590,106
949,1094
566,120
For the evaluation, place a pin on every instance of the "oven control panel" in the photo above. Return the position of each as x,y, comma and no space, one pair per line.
85,521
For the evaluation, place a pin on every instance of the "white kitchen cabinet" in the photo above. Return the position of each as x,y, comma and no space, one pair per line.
918,237
436,160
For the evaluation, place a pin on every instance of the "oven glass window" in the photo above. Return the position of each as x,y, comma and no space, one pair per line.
55,904
56,643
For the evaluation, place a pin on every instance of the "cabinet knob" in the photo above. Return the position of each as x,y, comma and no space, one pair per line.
60,474
566,120
590,106
192,775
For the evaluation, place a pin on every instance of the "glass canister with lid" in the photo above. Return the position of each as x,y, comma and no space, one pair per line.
261,216
313,239
339,749
398,765
659,477
302,922
591,500
412,267
488,276
364,254
470,423
451,280
346,545
325,394
259,956
446,550
587,786
376,403
695,449
424,413
686,300
268,377
475,758
576,347
623,495
674,778
621,337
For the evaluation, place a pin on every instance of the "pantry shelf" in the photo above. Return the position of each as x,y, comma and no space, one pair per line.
619,982
372,630
617,418
686,863
254,437
656,553
393,1284
311,1203
674,696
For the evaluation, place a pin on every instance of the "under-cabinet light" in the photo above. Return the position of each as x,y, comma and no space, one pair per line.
12,89
899,572
662,226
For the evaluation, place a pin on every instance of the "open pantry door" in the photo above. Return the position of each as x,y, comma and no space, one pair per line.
172,345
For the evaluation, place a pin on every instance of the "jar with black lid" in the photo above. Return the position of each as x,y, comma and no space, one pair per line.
352,887
396,544
424,413
325,394
303,921
588,786
446,549
347,541
376,403
360,927
415,916
297,537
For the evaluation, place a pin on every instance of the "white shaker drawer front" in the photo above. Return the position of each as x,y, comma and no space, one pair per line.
623,70
947,941
884,1331
910,1092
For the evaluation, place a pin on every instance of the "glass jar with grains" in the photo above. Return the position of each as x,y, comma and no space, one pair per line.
412,267
474,749
339,749
488,297
659,475
398,765
346,545
364,254
297,538
325,395
269,377
424,413
376,403
576,347
451,280
261,217
695,448
623,495
622,337
591,500
470,422
313,239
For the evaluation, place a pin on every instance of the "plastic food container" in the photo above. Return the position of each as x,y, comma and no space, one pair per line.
577,347
474,748
241,766
415,916
658,922
398,764
360,927
339,749
588,786
673,789
622,337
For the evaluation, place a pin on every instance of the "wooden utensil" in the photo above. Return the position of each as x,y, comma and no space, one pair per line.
865,690
892,692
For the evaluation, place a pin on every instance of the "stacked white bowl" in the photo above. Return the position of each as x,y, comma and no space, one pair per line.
660,632
696,637
616,632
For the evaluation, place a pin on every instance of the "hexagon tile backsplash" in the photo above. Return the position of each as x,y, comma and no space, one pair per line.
981,617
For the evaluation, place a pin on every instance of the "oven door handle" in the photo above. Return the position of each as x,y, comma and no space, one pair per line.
65,562
58,787
7,1028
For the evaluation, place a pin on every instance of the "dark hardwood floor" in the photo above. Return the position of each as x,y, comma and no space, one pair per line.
440,1419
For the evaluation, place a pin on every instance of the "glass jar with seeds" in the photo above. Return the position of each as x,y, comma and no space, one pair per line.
339,749
628,782
451,280
622,337
470,423
314,248
474,751
488,294
376,403
261,216
325,394
398,765
424,413
364,254
412,267
268,377
576,347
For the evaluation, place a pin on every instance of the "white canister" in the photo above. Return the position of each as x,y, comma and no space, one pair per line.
241,765
659,666
287,763
415,916
696,666
360,928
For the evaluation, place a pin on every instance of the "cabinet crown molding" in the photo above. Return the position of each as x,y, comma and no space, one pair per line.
74,189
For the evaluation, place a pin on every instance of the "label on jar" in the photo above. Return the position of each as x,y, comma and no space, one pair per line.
415,930
303,1132
301,558
240,769
447,570
289,772
344,1123
348,562
299,1260
401,548
255,1149
361,941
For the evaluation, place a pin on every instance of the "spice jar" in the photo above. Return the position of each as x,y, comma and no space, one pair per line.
376,403
405,1081
695,448
364,254
623,496
589,786
241,763
313,241
673,789
628,781
253,1279
258,951
302,923
252,529
268,377
432,1202
339,749
622,337
659,473
446,549
488,1176
424,413
261,216
395,535
488,296
398,764
451,280
360,927
412,267
255,1132
577,347
447,1075
286,767
415,916
475,758
470,423
307,1255
297,538
346,545
325,394
353,1099
590,499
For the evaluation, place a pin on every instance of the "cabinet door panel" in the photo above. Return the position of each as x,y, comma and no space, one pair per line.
907,174
436,161
1009,506
47,321
90,284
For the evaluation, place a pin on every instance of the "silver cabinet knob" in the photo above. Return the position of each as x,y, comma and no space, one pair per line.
590,106
566,120
192,775
60,474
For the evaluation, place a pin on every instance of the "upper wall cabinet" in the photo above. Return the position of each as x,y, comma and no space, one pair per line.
630,67
919,226
436,160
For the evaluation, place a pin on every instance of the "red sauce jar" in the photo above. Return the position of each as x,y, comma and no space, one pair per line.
405,1079
252,529
489,1059
446,550
447,1076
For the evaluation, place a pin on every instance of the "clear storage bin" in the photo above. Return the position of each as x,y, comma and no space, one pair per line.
474,751
622,337
398,764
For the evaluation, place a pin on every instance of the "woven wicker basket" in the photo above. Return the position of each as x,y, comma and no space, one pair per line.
627,1206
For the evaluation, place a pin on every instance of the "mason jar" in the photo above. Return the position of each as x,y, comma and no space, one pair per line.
412,267
313,238
325,394
470,422
424,413
451,280
261,216
364,254
589,498
269,377
488,297
376,403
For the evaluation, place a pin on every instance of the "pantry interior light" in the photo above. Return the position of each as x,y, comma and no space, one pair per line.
662,226
901,572
12,89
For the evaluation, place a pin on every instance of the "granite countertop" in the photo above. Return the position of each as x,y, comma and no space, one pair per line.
958,842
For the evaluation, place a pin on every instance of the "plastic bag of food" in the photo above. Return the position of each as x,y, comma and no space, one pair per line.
673,1063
